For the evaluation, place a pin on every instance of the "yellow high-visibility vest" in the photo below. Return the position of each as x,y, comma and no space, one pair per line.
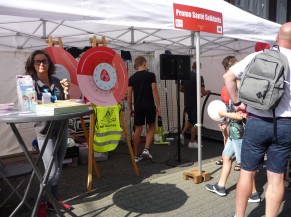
107,129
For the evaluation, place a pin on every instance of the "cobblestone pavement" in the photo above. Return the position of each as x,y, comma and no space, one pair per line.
160,190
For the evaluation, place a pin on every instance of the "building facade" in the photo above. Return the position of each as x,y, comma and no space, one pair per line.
274,10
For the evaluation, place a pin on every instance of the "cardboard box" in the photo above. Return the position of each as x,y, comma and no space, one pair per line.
83,154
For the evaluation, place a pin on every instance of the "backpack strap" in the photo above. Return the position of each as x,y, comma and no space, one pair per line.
283,58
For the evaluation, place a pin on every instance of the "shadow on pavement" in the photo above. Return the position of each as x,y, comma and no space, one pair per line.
158,199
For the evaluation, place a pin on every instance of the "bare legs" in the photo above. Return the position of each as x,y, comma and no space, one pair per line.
149,137
136,139
225,170
193,131
274,193
246,186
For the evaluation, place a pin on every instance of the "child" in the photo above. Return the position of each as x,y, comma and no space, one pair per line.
232,147
227,62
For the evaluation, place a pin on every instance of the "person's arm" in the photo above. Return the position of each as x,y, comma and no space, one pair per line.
66,86
232,115
203,91
181,87
231,87
156,97
129,100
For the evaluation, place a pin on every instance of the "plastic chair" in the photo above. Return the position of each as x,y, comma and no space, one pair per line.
14,172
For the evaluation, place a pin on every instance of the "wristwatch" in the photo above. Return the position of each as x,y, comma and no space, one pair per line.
237,103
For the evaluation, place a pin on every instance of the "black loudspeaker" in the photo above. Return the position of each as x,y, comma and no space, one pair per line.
174,67
125,55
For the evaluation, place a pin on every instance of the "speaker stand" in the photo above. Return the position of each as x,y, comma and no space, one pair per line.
176,159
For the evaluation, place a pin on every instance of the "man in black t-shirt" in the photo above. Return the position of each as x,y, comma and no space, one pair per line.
143,86
189,88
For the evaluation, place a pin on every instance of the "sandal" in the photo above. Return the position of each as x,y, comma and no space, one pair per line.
236,167
219,162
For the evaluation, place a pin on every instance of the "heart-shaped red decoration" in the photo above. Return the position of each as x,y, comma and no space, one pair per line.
104,76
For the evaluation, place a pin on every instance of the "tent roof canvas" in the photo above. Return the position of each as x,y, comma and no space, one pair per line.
141,25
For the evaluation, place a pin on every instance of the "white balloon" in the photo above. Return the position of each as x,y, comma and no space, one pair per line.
214,107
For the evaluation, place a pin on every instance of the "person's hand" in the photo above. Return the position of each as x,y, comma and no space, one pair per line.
242,107
131,113
158,110
65,84
223,125
242,114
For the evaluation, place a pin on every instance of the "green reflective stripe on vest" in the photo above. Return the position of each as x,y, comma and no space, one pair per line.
107,130
105,148
114,142
102,139
108,133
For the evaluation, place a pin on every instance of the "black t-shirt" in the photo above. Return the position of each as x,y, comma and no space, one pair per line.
190,90
55,89
141,83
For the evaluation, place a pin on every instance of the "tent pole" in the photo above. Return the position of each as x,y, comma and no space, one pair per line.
167,109
198,80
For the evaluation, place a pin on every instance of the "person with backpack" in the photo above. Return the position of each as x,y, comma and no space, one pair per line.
267,129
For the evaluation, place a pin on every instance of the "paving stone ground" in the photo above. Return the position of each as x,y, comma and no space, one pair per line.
160,190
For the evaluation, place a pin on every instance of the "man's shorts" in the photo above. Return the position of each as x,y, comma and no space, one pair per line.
259,139
233,147
192,115
142,116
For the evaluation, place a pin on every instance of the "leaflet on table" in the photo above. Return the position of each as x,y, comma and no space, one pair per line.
26,93
6,107
61,107
16,112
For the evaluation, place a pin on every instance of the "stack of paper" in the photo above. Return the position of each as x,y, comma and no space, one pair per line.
61,107
6,107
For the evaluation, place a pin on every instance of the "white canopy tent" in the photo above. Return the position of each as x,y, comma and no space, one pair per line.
141,25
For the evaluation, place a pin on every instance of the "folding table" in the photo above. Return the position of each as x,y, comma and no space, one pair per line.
14,117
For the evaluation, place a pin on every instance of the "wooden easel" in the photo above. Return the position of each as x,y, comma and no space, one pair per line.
88,136
52,43
94,42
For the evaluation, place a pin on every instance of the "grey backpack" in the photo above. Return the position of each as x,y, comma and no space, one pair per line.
263,80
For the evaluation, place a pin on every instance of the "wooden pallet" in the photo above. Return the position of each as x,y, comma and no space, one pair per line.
196,176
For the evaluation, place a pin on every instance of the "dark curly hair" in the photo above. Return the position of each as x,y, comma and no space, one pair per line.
29,65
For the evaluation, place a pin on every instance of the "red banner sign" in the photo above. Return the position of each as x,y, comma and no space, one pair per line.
197,19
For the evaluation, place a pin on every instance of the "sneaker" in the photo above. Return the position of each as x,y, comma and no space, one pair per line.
216,189
146,154
182,139
138,158
193,145
51,207
254,198
42,212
